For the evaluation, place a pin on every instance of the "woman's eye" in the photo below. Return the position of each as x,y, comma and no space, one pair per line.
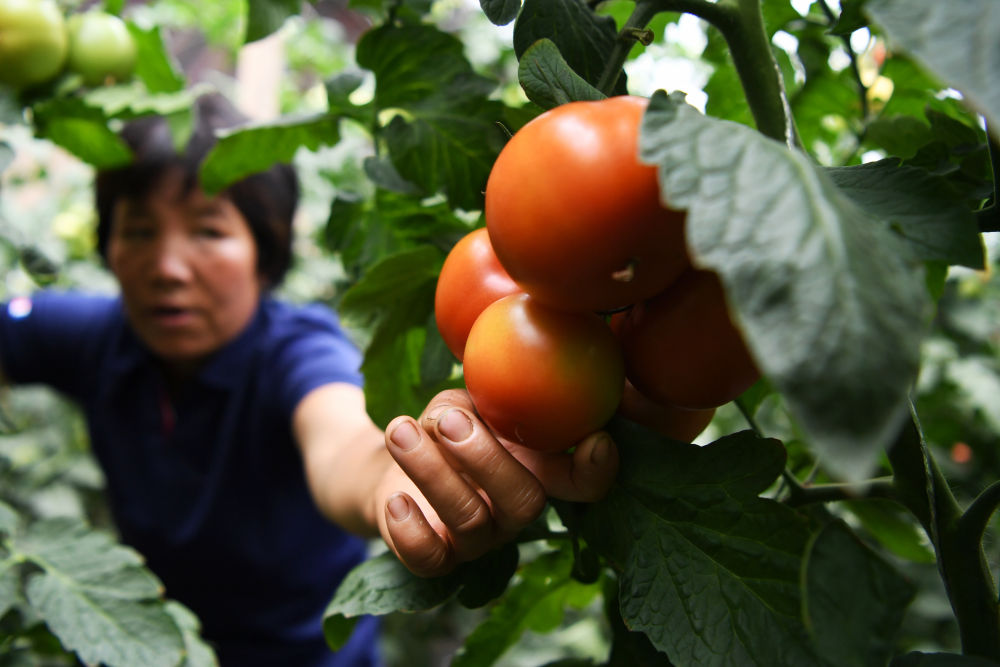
210,231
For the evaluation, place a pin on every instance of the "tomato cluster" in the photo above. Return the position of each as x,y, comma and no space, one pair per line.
37,43
578,298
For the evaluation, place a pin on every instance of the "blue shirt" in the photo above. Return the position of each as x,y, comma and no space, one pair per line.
209,486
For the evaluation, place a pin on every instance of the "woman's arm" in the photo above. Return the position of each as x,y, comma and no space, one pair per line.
440,489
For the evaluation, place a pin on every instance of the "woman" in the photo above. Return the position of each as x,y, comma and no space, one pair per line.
232,428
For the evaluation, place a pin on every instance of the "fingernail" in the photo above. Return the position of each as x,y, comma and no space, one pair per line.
455,425
405,436
601,451
398,508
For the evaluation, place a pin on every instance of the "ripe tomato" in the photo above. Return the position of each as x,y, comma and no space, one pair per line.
471,279
681,348
541,377
673,422
32,42
573,215
101,47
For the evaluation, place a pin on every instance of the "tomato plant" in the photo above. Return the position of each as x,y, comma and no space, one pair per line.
542,377
573,215
681,347
33,42
470,279
100,47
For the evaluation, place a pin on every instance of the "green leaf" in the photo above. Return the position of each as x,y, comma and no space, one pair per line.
382,585
444,133
899,136
923,208
537,602
247,150
10,583
9,517
853,624
955,40
96,596
830,304
708,570
893,527
400,290
91,141
266,16
500,12
851,18
548,80
197,652
154,64
584,38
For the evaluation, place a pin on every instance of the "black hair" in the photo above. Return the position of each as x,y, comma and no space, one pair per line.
266,199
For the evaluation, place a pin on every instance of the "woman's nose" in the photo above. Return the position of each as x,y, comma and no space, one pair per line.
171,260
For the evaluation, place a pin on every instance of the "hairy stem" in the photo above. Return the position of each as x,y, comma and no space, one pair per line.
921,486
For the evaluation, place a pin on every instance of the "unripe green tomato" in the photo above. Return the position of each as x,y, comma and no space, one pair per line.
33,42
101,49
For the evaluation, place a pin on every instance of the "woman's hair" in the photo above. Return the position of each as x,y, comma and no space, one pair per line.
267,199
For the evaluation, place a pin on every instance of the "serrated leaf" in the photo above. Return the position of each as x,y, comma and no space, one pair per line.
856,624
446,133
537,602
266,16
382,585
96,597
253,148
708,570
548,80
154,64
106,630
500,12
584,38
393,279
922,207
88,558
829,302
955,40
197,652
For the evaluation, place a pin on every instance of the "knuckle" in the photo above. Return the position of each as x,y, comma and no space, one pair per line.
430,562
528,505
473,517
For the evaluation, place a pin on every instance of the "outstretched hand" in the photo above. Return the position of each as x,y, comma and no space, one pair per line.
458,491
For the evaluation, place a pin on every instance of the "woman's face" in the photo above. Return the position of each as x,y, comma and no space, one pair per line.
187,266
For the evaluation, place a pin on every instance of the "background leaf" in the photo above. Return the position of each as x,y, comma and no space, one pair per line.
831,307
933,218
96,596
957,41
247,150
500,12
548,80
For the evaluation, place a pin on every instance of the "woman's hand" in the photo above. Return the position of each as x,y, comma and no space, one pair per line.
458,491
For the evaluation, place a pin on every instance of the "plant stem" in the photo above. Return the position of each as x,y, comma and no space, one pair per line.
800,494
643,13
989,216
921,486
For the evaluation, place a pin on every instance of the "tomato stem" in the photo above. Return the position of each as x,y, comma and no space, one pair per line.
922,488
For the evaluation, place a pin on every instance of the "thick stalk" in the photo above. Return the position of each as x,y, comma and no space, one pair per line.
921,486
759,74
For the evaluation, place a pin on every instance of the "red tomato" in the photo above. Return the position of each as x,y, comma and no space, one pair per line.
573,215
471,279
673,422
681,348
542,377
